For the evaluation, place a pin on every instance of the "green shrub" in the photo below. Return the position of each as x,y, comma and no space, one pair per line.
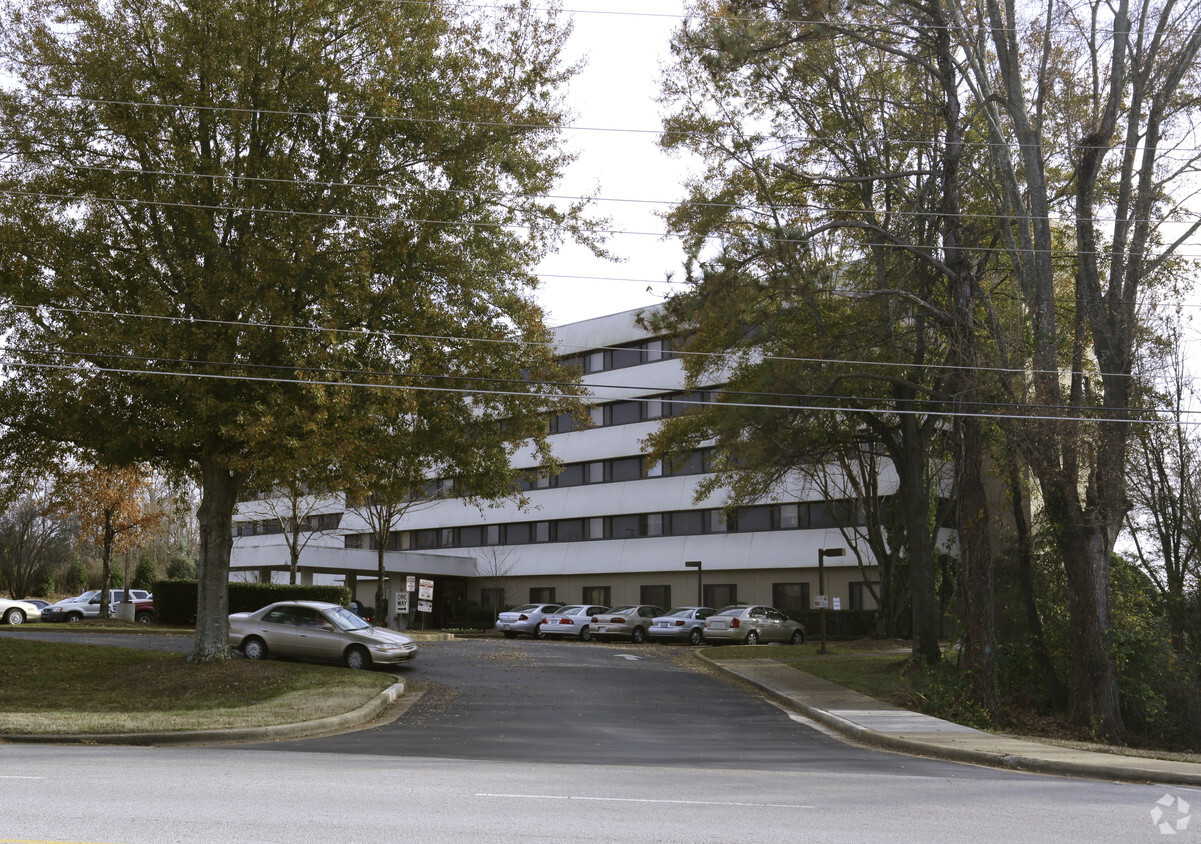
175,600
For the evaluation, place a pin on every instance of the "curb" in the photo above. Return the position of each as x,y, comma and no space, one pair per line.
1128,772
232,735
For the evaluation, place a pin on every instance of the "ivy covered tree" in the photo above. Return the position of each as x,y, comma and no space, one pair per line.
230,228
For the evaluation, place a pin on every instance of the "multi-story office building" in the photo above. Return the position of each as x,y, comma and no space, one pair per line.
611,528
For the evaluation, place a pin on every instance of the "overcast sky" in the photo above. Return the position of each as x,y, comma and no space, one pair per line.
614,101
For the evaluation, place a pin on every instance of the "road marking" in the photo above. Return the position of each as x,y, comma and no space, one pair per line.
628,656
645,800
16,777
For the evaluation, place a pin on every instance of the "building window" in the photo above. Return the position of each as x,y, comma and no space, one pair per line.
542,532
471,536
625,469
596,528
789,516
492,597
517,534
446,538
659,596
594,361
652,525
720,594
596,595
625,412
652,409
493,534
790,596
654,470
594,473
687,523
569,530
624,527
717,523
625,356
860,597
572,475
752,519
597,414
542,594
353,540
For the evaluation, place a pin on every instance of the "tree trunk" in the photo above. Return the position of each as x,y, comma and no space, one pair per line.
915,506
219,495
1056,694
381,600
1094,680
106,565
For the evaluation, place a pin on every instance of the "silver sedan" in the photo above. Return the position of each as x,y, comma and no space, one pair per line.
18,612
630,621
524,619
574,620
682,624
750,625
317,630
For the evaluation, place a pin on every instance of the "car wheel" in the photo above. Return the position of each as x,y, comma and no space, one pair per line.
144,617
357,657
510,634
539,634
73,617
752,637
638,636
696,636
14,616
798,637
585,634
254,648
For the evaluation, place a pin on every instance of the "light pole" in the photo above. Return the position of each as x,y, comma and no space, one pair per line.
696,564
823,598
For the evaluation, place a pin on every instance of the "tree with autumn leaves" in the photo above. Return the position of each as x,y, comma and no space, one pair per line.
113,510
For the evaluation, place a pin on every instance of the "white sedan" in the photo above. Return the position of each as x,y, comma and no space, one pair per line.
574,621
18,612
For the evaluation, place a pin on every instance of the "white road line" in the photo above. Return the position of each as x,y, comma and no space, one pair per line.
644,800
16,777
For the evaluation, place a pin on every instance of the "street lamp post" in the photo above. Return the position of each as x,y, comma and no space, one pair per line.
696,564
823,598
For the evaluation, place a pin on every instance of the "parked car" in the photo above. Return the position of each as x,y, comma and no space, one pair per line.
685,624
574,620
317,630
18,612
524,619
632,621
752,624
87,605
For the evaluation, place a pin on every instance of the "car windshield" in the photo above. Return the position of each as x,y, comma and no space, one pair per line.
572,610
344,619
617,610
683,612
732,611
525,608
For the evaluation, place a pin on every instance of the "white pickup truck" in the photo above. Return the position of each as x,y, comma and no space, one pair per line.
87,605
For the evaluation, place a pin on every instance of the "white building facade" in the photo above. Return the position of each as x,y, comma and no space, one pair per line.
611,528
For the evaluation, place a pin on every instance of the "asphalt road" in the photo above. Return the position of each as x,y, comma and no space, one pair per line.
548,741
601,704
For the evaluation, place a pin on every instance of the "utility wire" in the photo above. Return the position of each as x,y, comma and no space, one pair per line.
680,353
1081,417
367,218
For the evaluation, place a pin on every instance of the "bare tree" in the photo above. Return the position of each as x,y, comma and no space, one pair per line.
494,564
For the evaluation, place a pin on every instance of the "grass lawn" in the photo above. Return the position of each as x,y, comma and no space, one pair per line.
56,687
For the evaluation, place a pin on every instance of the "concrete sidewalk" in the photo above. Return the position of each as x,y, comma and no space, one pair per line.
877,723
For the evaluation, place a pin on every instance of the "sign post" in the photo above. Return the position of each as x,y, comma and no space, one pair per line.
824,599
700,590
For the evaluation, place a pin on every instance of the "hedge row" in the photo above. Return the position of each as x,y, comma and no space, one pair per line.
840,624
175,600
